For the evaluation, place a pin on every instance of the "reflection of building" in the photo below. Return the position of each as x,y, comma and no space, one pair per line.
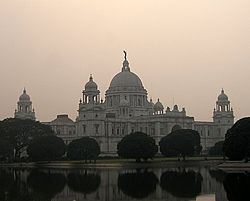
109,190
126,109
24,107
34,184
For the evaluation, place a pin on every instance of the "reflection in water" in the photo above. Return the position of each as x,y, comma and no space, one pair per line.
12,187
186,184
176,184
219,175
45,185
85,183
237,186
139,184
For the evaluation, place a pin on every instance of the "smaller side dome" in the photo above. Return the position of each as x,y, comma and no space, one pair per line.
158,106
24,96
222,96
90,85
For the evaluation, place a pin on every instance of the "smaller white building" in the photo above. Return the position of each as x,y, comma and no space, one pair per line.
24,107
64,128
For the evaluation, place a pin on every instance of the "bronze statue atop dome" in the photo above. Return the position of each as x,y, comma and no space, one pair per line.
125,54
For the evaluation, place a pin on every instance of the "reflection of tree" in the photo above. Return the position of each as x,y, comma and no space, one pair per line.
6,183
138,184
85,183
219,175
12,188
186,184
45,185
237,186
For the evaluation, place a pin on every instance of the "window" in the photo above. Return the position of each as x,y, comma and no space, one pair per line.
96,128
84,129
117,131
58,132
208,133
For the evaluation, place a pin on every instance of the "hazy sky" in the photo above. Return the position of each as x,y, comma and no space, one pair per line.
183,50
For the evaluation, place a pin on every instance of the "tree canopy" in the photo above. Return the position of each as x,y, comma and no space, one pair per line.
6,150
137,146
46,148
85,148
216,150
19,132
237,140
184,142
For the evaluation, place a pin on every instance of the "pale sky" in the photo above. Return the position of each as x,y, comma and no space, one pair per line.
184,51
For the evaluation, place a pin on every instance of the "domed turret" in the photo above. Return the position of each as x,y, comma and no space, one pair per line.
158,107
222,104
91,94
24,107
90,85
24,96
222,96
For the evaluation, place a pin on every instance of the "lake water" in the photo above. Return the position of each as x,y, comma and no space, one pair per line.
170,183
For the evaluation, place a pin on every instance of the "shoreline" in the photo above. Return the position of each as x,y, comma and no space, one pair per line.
107,164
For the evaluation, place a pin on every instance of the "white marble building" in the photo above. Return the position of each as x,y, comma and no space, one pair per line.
126,109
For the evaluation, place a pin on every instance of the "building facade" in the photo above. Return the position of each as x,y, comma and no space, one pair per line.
126,109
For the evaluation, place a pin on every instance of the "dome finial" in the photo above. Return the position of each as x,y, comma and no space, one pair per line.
125,62
24,90
90,77
222,90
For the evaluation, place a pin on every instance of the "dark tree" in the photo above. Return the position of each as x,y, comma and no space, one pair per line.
46,148
138,185
137,146
185,184
6,150
184,142
45,185
237,140
86,183
20,132
217,149
85,148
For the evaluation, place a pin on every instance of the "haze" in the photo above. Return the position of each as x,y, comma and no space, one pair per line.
183,51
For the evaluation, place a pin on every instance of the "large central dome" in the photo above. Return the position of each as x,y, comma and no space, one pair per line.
126,80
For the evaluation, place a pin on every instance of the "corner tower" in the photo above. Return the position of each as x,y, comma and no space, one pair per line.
24,107
223,113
